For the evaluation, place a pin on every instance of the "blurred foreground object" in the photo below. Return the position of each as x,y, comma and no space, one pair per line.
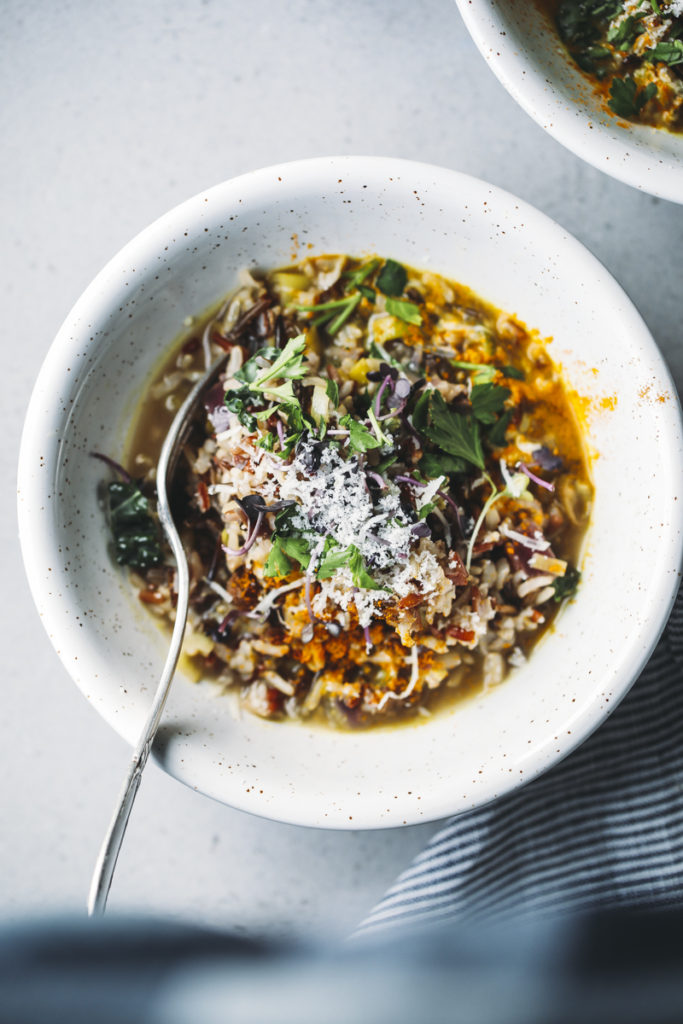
616,967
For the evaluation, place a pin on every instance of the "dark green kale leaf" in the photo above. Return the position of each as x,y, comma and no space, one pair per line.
136,537
392,278
566,586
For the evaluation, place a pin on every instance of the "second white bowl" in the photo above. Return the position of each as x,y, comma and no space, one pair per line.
522,48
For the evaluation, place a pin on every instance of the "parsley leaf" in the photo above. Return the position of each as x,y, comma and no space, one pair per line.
287,366
338,557
136,538
668,52
361,577
496,435
238,401
392,278
277,563
453,432
404,310
267,441
360,438
625,99
332,390
251,369
488,400
332,560
433,465
624,35
296,547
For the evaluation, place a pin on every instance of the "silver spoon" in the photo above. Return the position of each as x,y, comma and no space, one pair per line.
176,437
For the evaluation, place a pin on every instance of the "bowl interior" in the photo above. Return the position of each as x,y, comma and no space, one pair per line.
511,255
521,45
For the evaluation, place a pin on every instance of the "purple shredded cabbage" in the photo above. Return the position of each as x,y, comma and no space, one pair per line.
544,458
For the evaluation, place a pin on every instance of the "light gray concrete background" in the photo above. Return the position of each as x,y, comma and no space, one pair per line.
110,114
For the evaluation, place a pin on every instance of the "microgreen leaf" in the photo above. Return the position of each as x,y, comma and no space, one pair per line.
392,278
404,310
332,391
426,509
360,438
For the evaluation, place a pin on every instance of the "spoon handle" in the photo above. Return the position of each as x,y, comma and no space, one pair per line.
109,851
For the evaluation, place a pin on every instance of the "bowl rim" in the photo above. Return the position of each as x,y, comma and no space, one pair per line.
34,493
626,161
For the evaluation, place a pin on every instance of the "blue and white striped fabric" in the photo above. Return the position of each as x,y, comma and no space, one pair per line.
604,828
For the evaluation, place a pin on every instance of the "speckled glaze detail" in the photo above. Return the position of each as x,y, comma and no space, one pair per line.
509,254
522,48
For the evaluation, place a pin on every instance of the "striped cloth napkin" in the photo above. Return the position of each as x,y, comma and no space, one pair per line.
602,829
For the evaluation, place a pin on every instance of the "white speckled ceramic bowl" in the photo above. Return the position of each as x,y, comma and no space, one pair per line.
513,256
521,46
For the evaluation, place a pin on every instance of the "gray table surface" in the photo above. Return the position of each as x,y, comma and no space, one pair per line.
110,115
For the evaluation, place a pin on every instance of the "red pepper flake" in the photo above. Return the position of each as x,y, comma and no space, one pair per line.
203,496
465,636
